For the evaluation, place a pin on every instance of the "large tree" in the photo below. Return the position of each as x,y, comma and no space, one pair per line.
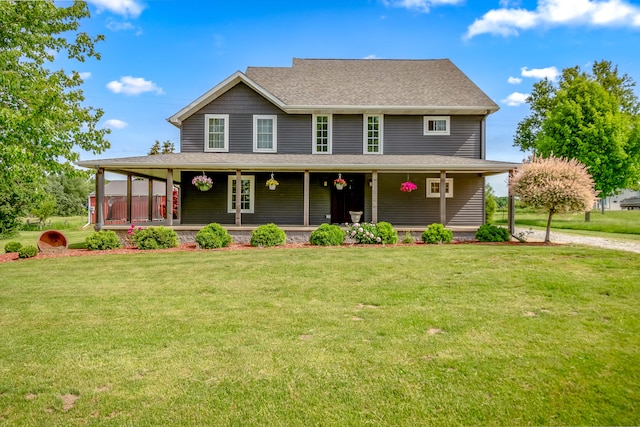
43,120
589,117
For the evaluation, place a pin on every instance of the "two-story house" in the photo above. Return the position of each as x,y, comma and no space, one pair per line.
374,123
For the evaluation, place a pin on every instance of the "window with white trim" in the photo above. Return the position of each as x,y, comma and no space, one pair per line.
436,125
265,131
433,187
216,132
247,193
372,134
322,133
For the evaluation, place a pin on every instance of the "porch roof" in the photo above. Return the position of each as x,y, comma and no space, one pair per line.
156,166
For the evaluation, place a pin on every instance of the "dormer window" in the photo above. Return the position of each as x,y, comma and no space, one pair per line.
436,125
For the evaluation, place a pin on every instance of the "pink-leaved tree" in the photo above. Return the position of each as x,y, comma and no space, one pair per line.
555,184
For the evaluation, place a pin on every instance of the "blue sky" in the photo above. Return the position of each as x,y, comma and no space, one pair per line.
159,55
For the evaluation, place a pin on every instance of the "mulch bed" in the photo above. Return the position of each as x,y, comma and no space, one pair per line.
192,247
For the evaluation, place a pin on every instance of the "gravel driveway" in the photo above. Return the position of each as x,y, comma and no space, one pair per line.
538,236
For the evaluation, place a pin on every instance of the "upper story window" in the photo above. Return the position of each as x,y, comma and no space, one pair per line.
247,193
436,125
321,134
372,134
433,187
216,132
265,134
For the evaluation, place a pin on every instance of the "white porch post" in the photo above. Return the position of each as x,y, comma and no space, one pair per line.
238,197
99,199
374,197
306,198
443,198
169,197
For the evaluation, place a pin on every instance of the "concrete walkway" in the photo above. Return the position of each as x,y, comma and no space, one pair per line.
602,242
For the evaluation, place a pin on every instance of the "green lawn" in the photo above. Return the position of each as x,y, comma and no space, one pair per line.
71,227
404,335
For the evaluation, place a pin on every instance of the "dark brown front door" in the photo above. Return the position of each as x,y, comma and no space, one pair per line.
350,198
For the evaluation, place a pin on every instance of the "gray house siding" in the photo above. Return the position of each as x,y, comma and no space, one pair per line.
347,134
405,135
396,207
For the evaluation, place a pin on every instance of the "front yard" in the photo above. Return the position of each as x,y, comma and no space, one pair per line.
405,335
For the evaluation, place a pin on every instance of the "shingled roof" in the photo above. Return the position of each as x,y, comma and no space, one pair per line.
432,86
371,82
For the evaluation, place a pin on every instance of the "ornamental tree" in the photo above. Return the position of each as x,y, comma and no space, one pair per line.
554,184
44,122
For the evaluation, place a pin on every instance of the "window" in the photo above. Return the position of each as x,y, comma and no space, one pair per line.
247,193
372,134
265,134
433,187
321,134
216,132
436,125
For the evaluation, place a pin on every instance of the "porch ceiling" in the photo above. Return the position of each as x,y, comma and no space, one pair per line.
156,166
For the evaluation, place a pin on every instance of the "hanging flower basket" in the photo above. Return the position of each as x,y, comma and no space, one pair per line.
272,183
202,182
340,183
408,187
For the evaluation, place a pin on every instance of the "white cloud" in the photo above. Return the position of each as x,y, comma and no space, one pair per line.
85,75
131,8
514,80
114,25
372,56
129,85
598,13
515,99
115,124
550,73
420,5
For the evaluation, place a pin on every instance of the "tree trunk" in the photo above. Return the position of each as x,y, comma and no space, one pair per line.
602,204
587,216
548,234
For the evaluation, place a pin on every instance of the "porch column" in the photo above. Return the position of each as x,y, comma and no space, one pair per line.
443,198
511,220
374,197
238,197
129,191
306,199
169,197
150,200
99,199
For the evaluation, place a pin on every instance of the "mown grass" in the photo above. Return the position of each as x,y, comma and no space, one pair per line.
71,227
404,335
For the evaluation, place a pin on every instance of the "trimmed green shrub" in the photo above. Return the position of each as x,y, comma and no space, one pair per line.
103,240
492,233
364,233
155,238
213,236
28,251
408,238
12,247
327,235
386,232
437,233
268,235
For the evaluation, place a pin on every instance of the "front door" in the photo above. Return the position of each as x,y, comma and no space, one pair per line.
350,198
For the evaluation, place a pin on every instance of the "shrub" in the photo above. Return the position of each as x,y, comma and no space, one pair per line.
327,235
155,238
102,240
28,251
386,232
437,233
213,236
364,233
12,247
268,235
492,233
407,237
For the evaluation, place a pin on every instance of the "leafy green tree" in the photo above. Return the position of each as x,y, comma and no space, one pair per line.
43,120
166,147
45,209
590,117
70,192
490,204
555,185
